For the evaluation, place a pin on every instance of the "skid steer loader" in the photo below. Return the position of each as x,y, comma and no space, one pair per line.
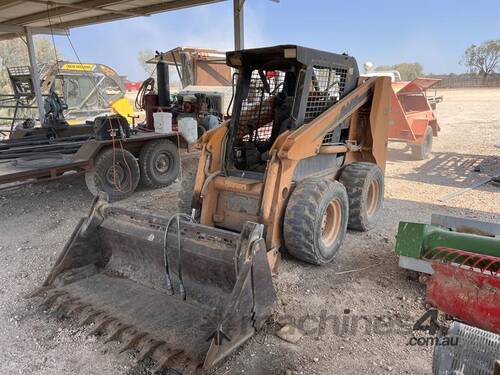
300,160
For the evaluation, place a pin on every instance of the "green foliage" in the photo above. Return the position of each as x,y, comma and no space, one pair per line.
484,58
14,52
408,71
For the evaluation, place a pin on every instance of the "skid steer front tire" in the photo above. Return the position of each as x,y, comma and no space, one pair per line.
364,183
315,220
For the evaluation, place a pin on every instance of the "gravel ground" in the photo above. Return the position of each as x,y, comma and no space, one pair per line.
37,220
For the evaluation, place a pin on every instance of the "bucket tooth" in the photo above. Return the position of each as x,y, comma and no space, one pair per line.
132,343
51,298
101,323
167,360
116,334
38,292
86,311
149,347
64,302
77,307
89,317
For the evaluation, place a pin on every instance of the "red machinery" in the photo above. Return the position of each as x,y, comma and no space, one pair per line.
132,86
412,119
467,286
462,257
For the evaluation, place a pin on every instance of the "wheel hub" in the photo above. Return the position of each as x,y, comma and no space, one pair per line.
116,175
331,222
162,163
372,199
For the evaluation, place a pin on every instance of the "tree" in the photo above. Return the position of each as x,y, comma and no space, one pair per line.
408,71
14,52
483,59
144,55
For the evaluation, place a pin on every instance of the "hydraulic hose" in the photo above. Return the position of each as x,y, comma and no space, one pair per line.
146,87
178,216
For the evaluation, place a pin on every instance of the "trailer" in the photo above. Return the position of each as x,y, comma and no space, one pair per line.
113,166
412,118
113,155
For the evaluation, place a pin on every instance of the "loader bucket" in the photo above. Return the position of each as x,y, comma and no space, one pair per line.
112,273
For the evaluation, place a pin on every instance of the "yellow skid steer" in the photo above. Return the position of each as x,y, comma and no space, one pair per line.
301,159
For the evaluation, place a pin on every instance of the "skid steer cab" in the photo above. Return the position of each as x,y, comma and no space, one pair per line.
301,159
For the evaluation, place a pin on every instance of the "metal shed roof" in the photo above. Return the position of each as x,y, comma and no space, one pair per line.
59,15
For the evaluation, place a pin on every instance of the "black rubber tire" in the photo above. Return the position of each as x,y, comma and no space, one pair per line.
423,151
302,225
357,179
98,180
149,156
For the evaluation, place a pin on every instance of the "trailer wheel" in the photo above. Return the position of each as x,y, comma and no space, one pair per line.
364,183
118,180
423,150
315,220
159,163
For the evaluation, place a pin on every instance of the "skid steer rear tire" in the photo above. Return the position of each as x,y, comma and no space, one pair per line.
100,179
159,163
364,183
315,220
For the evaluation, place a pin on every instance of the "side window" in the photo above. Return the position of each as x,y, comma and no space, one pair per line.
327,85
257,109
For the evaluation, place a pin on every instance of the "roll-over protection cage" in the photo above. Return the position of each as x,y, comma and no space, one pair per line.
303,82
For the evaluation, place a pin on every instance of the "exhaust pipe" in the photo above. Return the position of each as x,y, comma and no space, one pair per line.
163,82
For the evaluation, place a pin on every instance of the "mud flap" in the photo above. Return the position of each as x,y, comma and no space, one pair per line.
112,274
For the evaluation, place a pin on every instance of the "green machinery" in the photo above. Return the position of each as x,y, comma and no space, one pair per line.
463,258
417,244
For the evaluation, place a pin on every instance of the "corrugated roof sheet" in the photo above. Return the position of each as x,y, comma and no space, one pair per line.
65,14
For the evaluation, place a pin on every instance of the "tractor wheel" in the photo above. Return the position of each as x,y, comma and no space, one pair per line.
423,150
119,179
159,162
315,220
364,183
